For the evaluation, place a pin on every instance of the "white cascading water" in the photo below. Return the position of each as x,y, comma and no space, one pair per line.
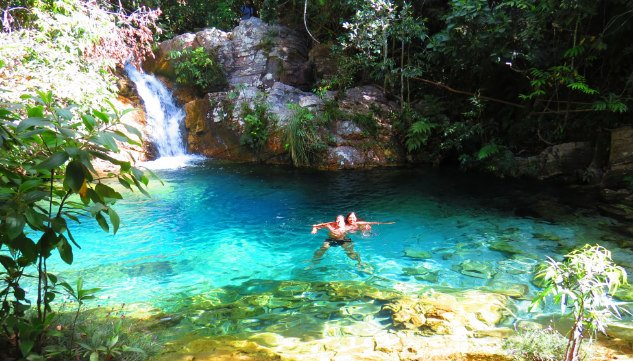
164,120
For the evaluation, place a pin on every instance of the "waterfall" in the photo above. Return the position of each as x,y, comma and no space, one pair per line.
164,119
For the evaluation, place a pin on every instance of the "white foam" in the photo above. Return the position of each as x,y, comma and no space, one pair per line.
175,162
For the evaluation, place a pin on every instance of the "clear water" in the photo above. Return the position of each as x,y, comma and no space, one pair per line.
220,229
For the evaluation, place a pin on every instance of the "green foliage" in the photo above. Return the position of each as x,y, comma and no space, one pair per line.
48,56
258,122
301,136
367,122
198,68
539,344
183,16
47,179
70,47
583,285
109,336
418,134
269,11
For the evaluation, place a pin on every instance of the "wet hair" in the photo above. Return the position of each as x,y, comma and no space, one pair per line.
348,215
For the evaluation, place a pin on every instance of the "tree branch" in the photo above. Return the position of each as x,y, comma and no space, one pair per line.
457,91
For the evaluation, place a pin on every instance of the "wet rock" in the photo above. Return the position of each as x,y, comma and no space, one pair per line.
267,339
500,333
620,212
621,150
325,64
620,164
622,196
445,314
388,342
512,290
621,330
422,273
510,247
546,209
478,269
564,161
546,237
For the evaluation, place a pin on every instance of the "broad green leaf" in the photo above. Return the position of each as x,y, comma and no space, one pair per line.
107,192
30,184
14,225
102,222
54,161
33,122
137,173
140,187
52,277
59,225
101,115
134,131
26,345
89,121
64,113
107,140
114,219
75,175
68,133
125,183
35,112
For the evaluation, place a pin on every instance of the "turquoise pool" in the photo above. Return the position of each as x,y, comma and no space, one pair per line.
221,232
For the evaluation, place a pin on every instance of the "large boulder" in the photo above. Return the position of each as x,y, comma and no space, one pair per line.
565,161
620,167
254,54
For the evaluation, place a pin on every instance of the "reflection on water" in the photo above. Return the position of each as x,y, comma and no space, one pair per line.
229,249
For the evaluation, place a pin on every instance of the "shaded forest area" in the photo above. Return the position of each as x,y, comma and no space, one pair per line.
478,81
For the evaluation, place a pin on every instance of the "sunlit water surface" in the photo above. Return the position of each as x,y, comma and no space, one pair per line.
219,232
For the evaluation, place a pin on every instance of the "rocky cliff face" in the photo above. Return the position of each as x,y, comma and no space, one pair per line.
274,65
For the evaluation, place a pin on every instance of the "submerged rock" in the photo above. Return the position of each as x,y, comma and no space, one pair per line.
513,290
422,273
416,253
512,248
478,269
458,313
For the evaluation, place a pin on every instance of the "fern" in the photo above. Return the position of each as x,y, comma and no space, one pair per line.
418,134
301,137
488,151
612,103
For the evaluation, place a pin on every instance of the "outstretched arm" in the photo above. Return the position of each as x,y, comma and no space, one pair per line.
368,223
316,227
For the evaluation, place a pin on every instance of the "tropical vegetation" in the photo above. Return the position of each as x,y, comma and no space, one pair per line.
476,81
583,285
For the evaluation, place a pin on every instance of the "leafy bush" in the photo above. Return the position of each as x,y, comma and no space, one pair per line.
99,334
199,68
47,178
540,344
71,48
301,136
257,125
583,285
185,16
